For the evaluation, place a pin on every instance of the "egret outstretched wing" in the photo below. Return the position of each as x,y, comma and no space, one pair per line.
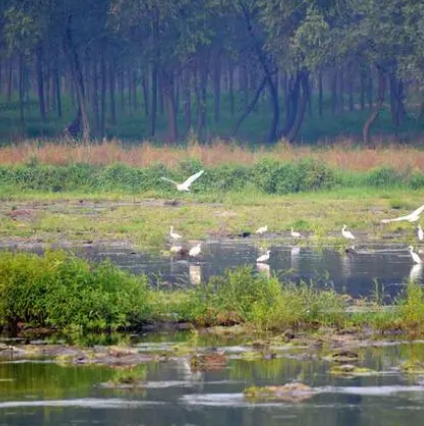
192,178
169,180
412,217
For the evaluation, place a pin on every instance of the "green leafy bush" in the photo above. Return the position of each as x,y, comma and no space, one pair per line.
63,291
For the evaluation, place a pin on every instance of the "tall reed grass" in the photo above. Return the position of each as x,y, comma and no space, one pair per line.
344,154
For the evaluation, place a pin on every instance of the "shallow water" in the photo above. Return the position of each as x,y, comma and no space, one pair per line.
48,394
355,273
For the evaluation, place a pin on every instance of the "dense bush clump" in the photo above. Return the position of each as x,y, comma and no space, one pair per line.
61,290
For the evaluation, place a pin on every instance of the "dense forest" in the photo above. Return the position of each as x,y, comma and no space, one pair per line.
167,69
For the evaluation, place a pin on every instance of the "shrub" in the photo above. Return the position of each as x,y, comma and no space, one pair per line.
64,291
384,177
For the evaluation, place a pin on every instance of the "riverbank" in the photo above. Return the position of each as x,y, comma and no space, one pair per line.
60,292
143,222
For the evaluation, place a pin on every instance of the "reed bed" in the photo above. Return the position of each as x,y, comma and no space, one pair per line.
343,155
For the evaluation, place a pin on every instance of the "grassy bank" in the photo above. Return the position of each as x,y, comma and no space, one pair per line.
61,291
81,201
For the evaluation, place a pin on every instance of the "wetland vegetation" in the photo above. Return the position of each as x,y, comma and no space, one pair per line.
62,292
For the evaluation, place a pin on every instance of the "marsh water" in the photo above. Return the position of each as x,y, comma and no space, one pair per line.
360,272
41,392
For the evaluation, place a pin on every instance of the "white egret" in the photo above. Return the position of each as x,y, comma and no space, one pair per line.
175,249
415,257
420,233
173,234
194,251
412,217
264,257
187,183
347,234
416,272
262,229
295,234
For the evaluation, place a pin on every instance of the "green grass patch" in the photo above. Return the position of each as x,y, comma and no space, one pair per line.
61,291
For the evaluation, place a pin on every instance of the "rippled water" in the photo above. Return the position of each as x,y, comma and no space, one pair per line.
48,394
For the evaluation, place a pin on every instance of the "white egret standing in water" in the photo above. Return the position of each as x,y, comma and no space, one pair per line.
264,257
420,233
194,251
412,217
262,229
295,234
187,183
347,234
415,256
173,234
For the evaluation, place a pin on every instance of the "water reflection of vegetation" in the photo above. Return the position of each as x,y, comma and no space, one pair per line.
60,290
49,381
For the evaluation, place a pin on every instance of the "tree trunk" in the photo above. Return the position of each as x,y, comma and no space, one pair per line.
304,82
362,94
369,89
145,84
217,88
250,107
187,99
334,100
341,91
58,91
21,90
320,94
292,103
155,65
167,84
102,93
40,82
371,119
95,98
112,95
231,88
77,77
9,80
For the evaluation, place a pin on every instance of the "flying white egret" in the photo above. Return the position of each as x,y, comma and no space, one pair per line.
262,229
415,257
347,234
187,183
412,217
173,234
264,257
420,233
295,234
194,251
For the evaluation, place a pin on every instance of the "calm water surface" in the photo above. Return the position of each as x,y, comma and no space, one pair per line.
355,273
43,393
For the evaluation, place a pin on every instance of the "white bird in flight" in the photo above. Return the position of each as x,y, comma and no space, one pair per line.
412,217
264,257
420,233
262,229
173,234
187,183
347,234
194,251
415,257
295,234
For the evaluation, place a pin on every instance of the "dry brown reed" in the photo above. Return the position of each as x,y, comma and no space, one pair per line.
344,155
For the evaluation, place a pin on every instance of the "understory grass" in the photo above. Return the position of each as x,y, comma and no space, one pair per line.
268,176
62,291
